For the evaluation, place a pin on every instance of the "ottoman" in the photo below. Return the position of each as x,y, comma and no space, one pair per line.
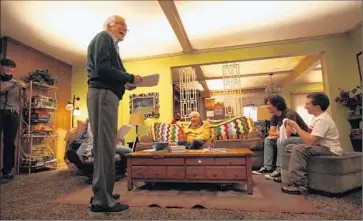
331,174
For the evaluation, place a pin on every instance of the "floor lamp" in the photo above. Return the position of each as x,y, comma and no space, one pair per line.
136,119
71,106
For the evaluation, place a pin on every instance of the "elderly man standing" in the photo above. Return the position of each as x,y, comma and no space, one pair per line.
107,81
196,134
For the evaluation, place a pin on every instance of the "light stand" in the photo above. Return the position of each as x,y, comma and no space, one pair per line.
71,107
136,119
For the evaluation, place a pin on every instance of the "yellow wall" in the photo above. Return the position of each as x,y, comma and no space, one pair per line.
312,87
340,62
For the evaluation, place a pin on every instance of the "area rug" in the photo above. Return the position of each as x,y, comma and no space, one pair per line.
266,196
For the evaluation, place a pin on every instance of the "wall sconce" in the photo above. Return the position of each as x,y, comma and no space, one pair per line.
71,106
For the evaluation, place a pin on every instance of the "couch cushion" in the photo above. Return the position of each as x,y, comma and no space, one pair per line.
252,144
333,174
349,162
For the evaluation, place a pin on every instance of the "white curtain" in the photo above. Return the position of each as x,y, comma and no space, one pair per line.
250,111
298,104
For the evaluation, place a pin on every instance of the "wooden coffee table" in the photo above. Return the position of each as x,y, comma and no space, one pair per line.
191,166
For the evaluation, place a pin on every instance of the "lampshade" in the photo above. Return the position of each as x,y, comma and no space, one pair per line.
76,112
69,106
263,114
137,119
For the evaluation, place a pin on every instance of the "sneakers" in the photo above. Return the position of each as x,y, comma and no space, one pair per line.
115,196
277,179
262,170
276,173
295,189
117,208
275,176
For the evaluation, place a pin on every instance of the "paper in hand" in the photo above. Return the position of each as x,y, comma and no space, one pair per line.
123,131
149,81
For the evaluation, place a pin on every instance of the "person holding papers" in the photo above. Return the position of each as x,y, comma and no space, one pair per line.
107,82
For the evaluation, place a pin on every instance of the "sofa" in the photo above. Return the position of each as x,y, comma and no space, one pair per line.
74,139
330,174
238,132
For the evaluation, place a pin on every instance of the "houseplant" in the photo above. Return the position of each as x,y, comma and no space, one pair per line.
351,99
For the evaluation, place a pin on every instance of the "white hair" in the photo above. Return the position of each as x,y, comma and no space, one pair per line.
110,20
194,114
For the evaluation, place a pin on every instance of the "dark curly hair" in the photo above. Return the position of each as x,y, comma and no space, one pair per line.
319,99
276,101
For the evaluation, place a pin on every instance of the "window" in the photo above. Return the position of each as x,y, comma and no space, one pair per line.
250,111
298,104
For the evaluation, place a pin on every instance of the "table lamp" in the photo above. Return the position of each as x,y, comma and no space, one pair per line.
136,119
263,114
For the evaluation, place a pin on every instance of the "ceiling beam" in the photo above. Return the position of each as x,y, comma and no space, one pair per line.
173,17
306,65
201,78
251,75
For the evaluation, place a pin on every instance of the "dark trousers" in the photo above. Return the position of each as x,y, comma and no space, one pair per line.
196,144
9,123
102,107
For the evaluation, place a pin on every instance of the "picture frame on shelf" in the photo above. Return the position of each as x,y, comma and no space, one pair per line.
360,65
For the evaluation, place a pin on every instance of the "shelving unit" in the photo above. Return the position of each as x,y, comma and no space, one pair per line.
38,135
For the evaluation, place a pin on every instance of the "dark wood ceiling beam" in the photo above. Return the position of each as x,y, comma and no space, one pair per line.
173,17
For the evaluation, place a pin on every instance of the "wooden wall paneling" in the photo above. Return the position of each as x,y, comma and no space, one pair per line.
29,59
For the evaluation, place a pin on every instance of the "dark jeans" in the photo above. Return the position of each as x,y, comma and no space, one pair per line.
196,144
9,123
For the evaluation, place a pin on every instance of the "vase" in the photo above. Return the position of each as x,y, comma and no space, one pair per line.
351,112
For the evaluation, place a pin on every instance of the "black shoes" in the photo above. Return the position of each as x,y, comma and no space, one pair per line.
115,196
8,176
117,208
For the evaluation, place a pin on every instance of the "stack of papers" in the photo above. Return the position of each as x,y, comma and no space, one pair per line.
177,148
222,150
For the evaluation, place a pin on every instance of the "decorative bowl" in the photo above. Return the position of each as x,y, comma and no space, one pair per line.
160,145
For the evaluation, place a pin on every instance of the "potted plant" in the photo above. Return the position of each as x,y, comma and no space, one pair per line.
351,99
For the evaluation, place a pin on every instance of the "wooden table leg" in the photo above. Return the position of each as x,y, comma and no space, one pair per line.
249,175
130,184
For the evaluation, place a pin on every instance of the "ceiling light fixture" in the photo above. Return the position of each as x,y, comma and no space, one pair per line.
272,89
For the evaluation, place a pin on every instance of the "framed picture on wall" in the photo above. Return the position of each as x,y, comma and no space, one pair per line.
148,104
360,65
